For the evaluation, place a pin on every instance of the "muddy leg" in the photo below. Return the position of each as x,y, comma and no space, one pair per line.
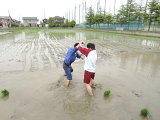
89,89
69,83
93,83
68,69
65,69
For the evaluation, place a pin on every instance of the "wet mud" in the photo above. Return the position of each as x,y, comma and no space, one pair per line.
31,69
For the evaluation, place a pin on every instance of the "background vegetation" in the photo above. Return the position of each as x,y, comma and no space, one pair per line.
62,22
131,12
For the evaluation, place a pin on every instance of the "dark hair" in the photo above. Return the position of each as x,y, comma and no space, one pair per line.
76,44
91,46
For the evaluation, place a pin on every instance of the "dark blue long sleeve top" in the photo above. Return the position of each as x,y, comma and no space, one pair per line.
71,55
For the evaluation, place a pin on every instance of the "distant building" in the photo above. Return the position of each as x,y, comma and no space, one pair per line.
4,21
30,21
7,21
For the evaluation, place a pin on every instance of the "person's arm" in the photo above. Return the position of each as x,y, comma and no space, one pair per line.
74,50
84,51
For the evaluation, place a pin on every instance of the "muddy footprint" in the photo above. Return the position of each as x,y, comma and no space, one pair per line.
137,93
59,83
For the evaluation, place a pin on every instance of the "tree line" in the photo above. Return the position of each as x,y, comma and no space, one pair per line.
58,22
130,12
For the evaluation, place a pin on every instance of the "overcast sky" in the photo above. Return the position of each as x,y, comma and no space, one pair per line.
36,8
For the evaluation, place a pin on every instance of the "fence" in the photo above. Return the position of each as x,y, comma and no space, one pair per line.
137,26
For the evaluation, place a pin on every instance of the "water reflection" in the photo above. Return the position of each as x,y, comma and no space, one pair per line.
50,46
146,63
60,34
20,37
123,57
102,37
151,62
129,40
151,43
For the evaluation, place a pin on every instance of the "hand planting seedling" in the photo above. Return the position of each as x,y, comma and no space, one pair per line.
107,93
144,112
4,93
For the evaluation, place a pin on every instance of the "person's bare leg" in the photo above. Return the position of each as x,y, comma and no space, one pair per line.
89,89
68,83
93,83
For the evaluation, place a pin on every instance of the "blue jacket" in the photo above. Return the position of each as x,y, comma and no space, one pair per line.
71,55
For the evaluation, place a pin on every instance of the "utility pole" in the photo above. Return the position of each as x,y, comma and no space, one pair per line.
79,13
85,7
105,7
75,14
44,14
97,7
85,10
65,15
9,14
72,15
146,5
141,5
69,15
114,6
10,18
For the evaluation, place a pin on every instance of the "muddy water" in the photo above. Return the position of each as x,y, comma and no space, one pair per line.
30,68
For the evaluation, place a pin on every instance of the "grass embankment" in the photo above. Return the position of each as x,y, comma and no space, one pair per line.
18,29
132,33
31,28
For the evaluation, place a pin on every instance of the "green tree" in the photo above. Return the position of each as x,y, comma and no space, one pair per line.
90,17
98,18
108,18
68,23
51,22
72,23
14,25
154,12
128,12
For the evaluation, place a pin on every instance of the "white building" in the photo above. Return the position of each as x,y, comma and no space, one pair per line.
30,21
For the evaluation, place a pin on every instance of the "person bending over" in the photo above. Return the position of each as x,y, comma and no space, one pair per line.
70,57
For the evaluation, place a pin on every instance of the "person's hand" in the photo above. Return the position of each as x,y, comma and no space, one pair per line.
82,57
82,42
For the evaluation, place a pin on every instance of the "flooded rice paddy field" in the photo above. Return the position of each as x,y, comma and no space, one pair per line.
31,69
